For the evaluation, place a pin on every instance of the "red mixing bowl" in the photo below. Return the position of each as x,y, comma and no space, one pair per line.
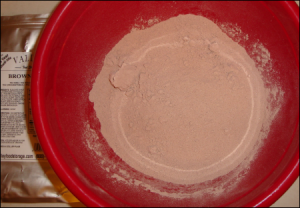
70,55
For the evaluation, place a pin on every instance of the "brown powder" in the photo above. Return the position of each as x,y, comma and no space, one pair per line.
180,101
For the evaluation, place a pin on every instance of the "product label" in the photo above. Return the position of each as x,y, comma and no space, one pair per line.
18,138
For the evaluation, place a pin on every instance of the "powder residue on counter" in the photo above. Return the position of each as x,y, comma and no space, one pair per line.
181,101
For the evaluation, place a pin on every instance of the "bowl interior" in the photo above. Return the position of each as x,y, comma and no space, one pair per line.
74,45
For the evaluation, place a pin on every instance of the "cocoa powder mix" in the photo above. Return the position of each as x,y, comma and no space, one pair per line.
181,101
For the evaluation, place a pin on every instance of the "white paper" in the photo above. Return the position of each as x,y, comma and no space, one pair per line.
18,138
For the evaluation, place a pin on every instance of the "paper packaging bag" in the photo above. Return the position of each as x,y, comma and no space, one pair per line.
26,175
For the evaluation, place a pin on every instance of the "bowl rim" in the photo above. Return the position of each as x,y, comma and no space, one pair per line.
72,182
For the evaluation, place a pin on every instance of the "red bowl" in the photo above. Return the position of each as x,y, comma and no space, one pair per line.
70,55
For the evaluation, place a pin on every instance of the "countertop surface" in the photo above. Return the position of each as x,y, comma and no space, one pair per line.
289,199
